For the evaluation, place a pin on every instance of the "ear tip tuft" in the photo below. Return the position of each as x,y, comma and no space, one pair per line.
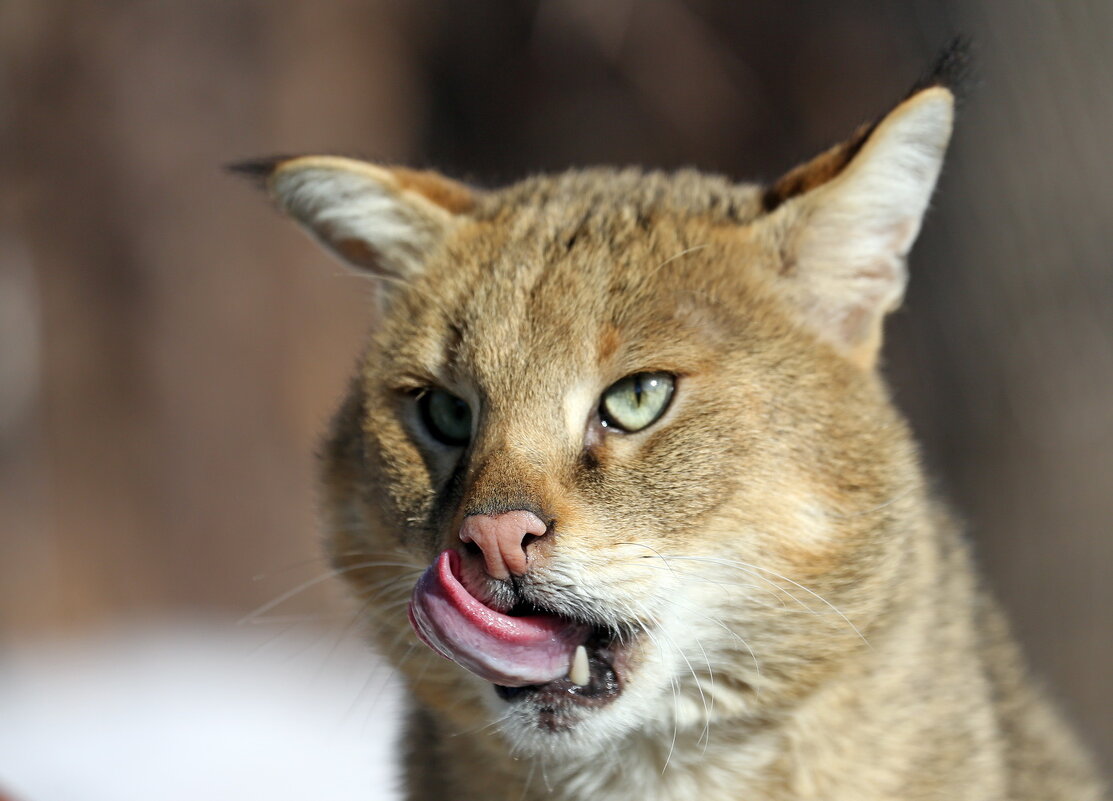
258,170
952,69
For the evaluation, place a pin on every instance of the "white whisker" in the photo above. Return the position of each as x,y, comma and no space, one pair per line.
269,605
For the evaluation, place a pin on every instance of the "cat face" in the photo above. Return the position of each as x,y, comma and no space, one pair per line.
616,445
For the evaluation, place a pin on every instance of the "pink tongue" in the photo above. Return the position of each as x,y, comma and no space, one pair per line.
511,651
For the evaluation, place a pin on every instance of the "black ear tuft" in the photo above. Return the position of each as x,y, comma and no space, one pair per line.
952,69
257,170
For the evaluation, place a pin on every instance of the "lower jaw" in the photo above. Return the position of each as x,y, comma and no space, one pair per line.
557,701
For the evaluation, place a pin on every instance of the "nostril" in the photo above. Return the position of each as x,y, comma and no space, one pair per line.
501,539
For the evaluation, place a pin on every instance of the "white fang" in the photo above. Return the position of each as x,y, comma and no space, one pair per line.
579,672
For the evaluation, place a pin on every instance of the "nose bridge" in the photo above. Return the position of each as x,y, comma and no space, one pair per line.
505,479
505,508
516,451
512,490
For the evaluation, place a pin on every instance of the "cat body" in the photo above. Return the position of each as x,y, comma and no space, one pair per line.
631,422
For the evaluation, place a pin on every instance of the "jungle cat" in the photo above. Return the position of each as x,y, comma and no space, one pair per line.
619,449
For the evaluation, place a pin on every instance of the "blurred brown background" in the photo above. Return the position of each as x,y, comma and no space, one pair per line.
170,349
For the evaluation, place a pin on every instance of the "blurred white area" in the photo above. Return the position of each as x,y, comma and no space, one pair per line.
192,711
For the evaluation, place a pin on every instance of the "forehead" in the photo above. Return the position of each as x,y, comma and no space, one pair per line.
610,270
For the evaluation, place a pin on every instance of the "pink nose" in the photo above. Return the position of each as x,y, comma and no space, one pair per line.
503,538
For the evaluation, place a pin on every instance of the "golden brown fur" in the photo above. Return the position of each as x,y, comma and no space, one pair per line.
804,617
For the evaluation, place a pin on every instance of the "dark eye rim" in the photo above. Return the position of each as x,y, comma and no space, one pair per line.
610,424
424,399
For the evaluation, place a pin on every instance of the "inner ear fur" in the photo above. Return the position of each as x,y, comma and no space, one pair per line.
844,222
384,220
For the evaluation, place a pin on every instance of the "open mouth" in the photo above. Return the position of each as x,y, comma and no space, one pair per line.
595,684
528,653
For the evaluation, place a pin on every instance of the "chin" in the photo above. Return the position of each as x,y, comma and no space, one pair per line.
561,720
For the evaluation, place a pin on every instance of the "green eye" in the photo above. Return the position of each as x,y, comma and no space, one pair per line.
447,418
636,401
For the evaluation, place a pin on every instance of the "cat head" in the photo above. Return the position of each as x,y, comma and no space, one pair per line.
627,413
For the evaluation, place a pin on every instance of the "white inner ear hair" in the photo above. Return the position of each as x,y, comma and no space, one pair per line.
368,222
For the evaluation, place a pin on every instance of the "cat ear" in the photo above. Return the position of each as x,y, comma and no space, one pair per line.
844,222
384,220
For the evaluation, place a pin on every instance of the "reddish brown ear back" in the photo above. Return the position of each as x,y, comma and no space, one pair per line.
384,220
844,222
821,169
950,70
450,195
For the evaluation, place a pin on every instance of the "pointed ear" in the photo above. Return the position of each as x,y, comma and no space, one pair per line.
843,223
384,220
